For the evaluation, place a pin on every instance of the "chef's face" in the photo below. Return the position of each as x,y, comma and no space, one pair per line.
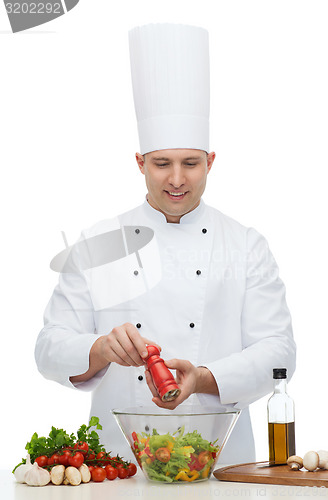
176,179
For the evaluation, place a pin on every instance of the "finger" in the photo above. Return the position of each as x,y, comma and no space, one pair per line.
119,355
138,342
123,347
117,359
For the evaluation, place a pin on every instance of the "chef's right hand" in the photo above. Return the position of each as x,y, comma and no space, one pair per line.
125,346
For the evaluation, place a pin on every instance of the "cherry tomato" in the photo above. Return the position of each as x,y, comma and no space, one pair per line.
76,460
122,472
115,462
42,461
111,472
98,474
91,467
132,469
104,458
63,459
82,446
91,455
204,457
54,459
163,455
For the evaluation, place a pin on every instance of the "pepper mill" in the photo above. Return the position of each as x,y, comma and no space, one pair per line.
163,379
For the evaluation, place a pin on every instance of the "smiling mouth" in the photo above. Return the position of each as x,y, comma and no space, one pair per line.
176,195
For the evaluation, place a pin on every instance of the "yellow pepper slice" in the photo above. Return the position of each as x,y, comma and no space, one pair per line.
170,446
205,472
187,476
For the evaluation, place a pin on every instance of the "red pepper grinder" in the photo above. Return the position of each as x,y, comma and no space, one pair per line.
163,379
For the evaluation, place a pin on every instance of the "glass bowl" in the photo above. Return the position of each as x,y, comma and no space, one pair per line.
176,446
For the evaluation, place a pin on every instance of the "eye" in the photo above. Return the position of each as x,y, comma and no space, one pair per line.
161,165
188,164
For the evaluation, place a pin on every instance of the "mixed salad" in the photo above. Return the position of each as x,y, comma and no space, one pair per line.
174,457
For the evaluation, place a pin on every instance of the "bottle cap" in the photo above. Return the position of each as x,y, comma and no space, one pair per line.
279,373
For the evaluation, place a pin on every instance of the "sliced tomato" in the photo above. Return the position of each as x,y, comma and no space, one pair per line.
163,455
204,457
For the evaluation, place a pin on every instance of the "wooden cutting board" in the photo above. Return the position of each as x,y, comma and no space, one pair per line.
262,473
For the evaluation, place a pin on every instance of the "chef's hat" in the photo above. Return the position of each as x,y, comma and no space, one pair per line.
170,78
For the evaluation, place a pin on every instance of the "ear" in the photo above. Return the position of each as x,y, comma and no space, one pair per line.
141,162
210,159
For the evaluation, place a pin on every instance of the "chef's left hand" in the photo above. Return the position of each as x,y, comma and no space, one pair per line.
189,378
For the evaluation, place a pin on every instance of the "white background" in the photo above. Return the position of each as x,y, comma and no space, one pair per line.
68,137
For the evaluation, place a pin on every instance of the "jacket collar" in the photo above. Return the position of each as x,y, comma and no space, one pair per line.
190,218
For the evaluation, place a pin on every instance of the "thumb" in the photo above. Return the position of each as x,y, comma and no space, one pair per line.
175,364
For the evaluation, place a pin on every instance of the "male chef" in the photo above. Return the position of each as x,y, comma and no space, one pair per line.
172,272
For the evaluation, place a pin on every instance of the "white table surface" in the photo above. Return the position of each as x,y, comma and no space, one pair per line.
137,487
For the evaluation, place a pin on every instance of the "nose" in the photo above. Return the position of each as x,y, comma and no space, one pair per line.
177,177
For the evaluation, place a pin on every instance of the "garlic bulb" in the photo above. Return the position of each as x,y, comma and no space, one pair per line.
37,476
22,469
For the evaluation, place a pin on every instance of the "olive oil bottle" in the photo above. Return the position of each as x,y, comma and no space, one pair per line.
281,420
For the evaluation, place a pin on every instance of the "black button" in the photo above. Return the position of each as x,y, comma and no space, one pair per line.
136,273
204,230
137,231
138,325
198,272
140,377
192,325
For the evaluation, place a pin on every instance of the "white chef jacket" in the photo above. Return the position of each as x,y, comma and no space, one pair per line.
215,298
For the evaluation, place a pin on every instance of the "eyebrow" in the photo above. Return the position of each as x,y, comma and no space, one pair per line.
162,158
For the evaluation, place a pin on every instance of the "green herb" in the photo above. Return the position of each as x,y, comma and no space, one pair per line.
59,439
92,437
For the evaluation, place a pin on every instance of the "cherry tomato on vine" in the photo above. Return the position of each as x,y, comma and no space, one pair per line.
42,461
103,457
98,474
91,467
63,459
122,472
54,459
115,462
82,446
76,460
91,455
111,472
132,469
